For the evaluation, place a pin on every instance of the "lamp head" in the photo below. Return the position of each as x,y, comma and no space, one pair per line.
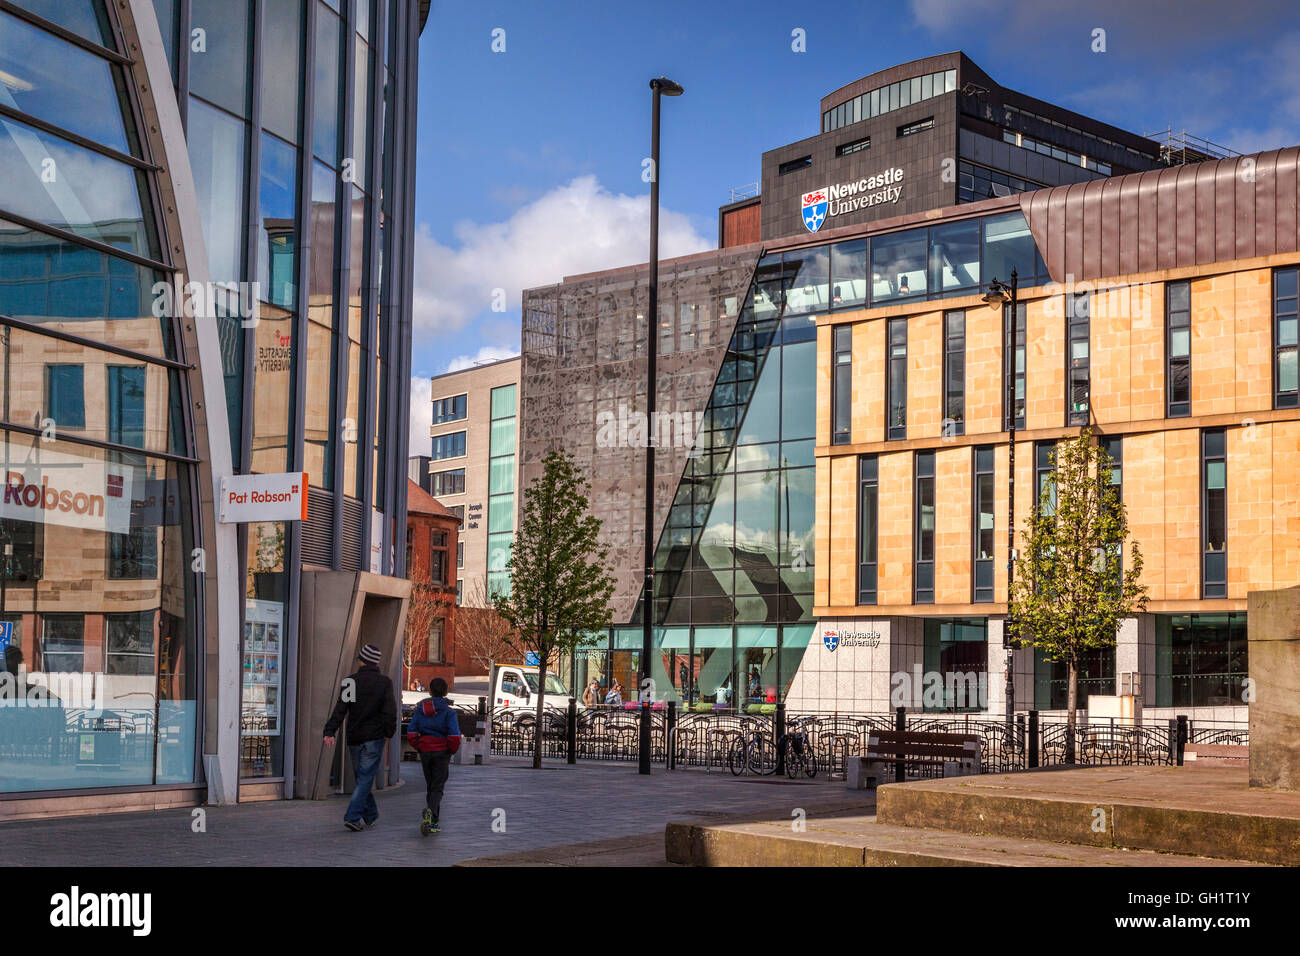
666,86
997,295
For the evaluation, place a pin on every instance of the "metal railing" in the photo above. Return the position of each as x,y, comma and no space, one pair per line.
705,739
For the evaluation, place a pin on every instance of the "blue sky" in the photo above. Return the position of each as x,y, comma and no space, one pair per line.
529,160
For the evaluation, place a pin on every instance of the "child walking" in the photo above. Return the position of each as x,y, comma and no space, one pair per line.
435,732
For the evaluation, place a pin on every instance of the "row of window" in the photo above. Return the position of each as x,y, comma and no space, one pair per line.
929,262
975,182
1214,515
61,647
1073,129
1178,362
885,99
1056,152
451,445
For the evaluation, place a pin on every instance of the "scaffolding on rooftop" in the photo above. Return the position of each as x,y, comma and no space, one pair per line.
1181,147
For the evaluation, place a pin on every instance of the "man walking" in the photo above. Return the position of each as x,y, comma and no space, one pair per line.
366,700
435,732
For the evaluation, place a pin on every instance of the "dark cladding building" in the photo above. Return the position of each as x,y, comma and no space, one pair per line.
922,135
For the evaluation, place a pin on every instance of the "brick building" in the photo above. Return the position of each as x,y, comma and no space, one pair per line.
432,535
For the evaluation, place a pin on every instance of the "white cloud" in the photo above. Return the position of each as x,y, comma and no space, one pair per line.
574,228
421,416
488,353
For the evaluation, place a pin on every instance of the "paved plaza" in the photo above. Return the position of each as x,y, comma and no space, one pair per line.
534,810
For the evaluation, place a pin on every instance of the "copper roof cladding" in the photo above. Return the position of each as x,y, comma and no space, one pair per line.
1171,218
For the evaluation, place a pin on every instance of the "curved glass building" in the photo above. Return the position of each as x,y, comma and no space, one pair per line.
204,271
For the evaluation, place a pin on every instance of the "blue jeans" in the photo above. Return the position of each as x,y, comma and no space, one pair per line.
365,764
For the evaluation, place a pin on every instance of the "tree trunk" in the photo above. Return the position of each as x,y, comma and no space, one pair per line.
1071,704
541,703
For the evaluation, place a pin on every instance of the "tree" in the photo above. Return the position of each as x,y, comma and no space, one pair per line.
427,607
560,583
1072,585
481,632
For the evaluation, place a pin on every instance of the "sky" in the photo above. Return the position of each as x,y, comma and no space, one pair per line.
534,119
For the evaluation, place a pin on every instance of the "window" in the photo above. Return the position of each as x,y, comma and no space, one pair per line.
954,374
1096,675
1078,311
849,273
842,385
955,258
458,511
65,395
868,528
438,558
907,129
896,375
855,146
899,264
1201,659
1178,348
19,549
131,643
1214,513
1043,467
434,652
1017,370
924,535
1114,448
133,556
63,644
450,409
1286,374
982,532
460,554
448,482
460,591
126,404
957,649
794,165
449,446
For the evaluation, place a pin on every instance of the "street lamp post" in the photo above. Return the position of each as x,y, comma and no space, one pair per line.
998,296
658,87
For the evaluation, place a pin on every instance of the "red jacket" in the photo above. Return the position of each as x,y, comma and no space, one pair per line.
434,727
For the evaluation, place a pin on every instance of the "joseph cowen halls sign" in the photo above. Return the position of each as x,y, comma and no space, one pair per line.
826,201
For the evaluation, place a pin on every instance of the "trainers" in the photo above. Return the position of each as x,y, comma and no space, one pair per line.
427,817
371,824
356,826
433,827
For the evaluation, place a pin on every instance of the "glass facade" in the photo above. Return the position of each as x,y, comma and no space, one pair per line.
501,487
957,650
101,666
101,596
1201,659
1052,678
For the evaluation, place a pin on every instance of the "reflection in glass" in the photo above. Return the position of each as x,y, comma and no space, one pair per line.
277,260
898,265
849,273
91,195
955,257
216,147
281,66
50,281
86,18
325,132
49,78
219,74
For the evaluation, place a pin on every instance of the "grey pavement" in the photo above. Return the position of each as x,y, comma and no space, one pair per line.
556,806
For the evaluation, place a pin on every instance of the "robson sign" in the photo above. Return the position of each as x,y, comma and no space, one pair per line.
264,497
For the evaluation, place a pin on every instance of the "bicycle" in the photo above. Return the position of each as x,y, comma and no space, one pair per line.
751,752
799,756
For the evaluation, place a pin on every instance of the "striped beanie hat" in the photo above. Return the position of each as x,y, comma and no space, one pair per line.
370,654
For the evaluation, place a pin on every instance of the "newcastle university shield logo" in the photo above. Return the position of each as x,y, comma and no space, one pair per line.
814,211
831,639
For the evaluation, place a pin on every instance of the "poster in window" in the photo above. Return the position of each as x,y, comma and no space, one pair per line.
263,627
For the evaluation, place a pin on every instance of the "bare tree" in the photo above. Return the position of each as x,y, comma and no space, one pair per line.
427,607
481,631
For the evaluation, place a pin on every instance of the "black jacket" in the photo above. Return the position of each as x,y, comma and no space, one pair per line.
372,711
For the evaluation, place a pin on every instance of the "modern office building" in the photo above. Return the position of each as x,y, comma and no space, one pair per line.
473,470
1157,308
794,561
922,135
205,241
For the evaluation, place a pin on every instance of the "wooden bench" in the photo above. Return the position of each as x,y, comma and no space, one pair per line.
955,755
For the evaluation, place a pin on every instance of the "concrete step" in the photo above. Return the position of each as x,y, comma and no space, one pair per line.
863,841
1203,811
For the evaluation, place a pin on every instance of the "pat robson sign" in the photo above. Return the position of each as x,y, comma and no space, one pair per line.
264,497
826,201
